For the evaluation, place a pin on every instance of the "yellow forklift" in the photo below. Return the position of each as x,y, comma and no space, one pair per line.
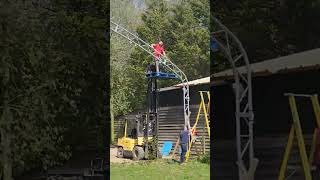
134,143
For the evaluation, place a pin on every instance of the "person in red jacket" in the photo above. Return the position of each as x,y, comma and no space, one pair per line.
158,51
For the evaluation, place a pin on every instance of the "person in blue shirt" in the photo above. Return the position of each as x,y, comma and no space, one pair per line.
184,139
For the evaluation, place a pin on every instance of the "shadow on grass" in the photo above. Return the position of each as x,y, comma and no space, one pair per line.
173,161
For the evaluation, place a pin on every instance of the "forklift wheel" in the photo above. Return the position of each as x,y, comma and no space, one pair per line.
137,153
120,152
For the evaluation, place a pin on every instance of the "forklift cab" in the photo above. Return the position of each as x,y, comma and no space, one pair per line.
134,137
134,128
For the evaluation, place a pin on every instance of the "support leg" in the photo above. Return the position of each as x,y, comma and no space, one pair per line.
301,144
286,155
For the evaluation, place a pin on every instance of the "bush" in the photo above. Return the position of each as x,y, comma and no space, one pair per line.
205,158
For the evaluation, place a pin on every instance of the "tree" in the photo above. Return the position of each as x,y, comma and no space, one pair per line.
53,81
26,125
123,85
189,38
184,29
282,27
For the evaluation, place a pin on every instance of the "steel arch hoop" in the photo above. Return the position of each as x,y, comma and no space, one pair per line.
246,115
164,60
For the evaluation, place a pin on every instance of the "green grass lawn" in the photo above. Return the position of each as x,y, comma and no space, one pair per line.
160,170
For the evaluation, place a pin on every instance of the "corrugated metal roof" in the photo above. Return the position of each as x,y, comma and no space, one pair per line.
294,62
205,80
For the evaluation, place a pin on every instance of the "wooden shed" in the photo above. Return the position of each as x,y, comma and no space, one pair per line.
296,73
171,118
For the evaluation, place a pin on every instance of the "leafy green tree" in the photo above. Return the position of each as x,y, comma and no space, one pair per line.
79,30
53,81
124,85
184,29
189,38
28,133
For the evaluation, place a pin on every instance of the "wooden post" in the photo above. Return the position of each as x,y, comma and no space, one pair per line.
175,148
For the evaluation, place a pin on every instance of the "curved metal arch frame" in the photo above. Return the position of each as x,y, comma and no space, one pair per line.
232,48
164,60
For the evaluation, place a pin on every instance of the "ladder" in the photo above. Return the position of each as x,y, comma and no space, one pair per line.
207,120
163,60
203,112
297,131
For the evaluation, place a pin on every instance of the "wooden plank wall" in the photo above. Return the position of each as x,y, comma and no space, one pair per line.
171,122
